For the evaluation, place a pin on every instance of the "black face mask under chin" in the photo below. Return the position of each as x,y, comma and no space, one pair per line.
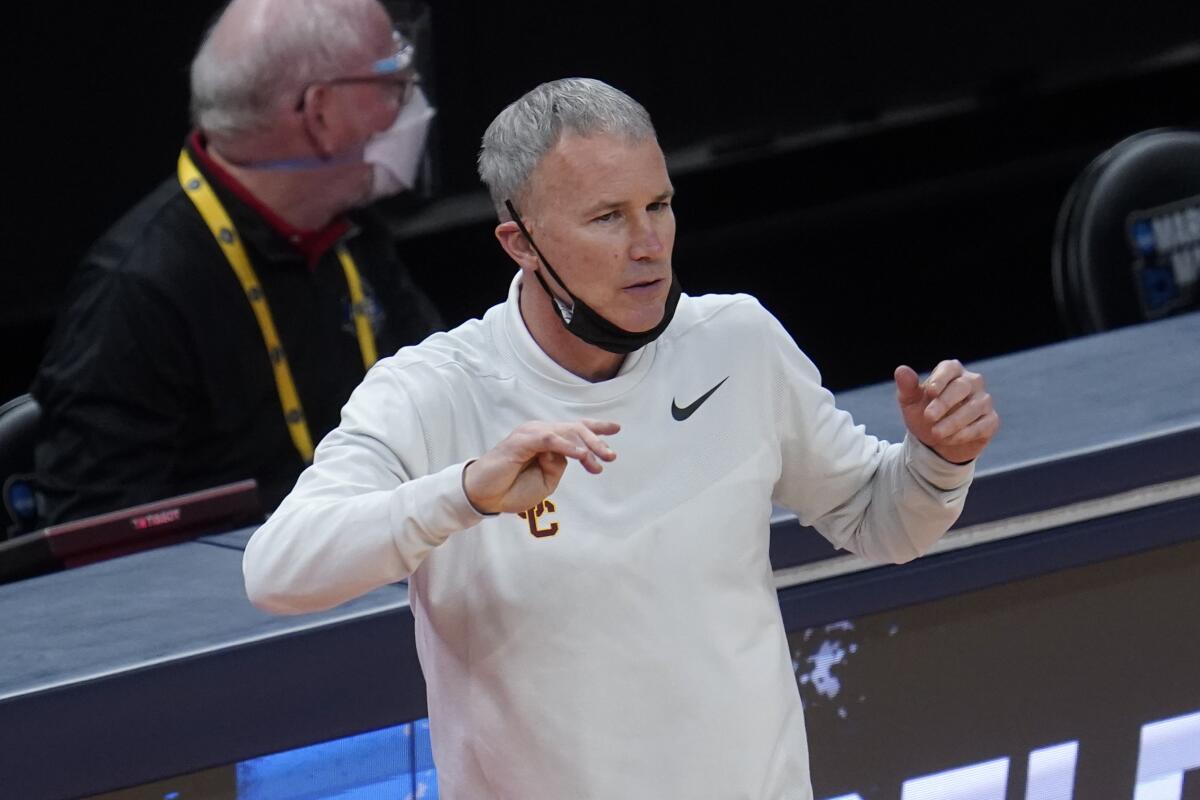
582,320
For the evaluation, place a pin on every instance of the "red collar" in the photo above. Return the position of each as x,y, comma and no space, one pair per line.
312,244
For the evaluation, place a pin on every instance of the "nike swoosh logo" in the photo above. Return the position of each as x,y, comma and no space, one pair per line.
680,414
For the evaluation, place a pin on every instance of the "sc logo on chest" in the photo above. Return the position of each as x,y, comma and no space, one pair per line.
534,517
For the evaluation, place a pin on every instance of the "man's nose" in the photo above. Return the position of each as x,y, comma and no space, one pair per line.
646,243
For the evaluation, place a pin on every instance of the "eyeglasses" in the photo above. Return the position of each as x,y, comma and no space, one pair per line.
397,70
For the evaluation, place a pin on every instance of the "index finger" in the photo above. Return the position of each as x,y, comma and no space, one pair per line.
590,431
942,375
601,427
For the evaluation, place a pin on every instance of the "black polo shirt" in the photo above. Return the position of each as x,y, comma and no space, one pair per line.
156,380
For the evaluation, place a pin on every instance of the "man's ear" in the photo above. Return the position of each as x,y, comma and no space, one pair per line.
317,121
516,245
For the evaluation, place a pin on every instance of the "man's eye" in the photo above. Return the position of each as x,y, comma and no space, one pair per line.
609,217
662,205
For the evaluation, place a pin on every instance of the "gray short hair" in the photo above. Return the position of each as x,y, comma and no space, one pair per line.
526,130
240,78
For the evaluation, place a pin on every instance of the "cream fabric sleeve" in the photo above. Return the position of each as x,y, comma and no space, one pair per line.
884,502
366,512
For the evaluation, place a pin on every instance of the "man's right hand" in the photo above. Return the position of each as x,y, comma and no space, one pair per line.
526,466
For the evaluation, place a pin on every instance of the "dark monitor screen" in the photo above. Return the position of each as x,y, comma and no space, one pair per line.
1081,683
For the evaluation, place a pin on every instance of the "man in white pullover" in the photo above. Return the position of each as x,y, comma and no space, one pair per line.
609,629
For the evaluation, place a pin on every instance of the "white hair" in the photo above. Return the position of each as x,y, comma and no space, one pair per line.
526,130
249,65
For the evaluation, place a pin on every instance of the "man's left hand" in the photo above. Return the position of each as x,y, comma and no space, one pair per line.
950,412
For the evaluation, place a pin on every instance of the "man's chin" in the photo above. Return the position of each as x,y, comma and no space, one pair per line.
648,311
365,198
644,321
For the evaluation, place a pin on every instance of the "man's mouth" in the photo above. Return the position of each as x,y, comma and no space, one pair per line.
644,285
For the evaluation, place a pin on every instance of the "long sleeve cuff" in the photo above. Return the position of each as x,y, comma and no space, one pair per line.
943,475
443,509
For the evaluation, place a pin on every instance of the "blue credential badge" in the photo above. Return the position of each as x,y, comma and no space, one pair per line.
374,312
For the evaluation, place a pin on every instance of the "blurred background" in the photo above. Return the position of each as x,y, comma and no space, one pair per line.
884,177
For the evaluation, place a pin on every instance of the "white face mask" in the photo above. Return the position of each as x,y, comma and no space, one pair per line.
395,154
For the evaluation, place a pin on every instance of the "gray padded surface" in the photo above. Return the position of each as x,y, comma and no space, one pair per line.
1075,395
138,609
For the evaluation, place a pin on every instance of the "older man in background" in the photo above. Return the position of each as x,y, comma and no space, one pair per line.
214,332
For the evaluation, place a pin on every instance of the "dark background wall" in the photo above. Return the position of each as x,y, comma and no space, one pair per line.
885,177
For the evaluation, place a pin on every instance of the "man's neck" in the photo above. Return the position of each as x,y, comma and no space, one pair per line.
565,348
293,195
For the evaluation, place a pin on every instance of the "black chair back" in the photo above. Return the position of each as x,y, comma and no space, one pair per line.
1127,244
19,419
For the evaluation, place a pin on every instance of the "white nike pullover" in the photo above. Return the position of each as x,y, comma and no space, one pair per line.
626,641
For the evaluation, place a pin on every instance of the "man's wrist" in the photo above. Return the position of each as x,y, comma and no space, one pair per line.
467,494
949,460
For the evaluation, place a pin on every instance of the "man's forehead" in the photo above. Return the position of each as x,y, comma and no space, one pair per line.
599,148
601,164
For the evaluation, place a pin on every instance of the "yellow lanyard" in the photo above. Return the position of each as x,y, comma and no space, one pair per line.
214,214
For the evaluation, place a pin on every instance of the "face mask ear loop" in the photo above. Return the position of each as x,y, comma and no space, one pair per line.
563,309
